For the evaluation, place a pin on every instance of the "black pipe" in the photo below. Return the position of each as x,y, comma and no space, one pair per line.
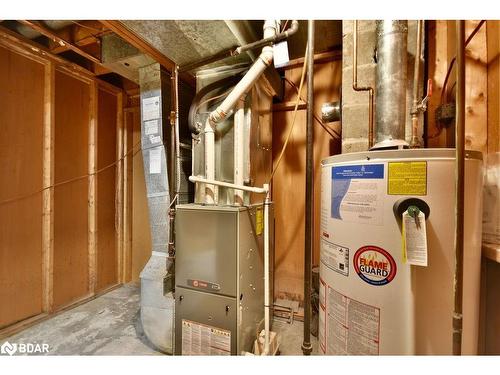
459,193
309,199
226,82
268,41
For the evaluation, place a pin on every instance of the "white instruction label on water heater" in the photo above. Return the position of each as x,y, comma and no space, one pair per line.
352,327
335,257
357,193
414,239
202,339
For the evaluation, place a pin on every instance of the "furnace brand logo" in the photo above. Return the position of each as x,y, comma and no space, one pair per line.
28,348
374,265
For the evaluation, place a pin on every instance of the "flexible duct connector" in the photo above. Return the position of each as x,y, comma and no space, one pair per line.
225,83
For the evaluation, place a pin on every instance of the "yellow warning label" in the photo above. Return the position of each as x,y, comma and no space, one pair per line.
407,178
259,221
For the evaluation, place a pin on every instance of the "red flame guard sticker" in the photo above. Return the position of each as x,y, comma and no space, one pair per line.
374,265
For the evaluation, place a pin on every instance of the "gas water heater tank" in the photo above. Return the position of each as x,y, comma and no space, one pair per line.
372,300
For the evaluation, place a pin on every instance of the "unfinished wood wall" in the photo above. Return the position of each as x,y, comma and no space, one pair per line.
61,184
107,246
289,181
491,223
71,261
482,129
21,147
441,50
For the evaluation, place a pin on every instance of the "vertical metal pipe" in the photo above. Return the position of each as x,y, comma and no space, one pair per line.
308,245
459,189
355,86
392,45
415,142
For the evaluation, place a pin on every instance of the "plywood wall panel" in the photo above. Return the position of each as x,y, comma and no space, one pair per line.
71,263
107,256
289,182
21,140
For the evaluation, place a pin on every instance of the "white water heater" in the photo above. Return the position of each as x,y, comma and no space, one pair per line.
372,300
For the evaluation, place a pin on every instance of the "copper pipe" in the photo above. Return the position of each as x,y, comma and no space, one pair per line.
415,142
459,190
355,86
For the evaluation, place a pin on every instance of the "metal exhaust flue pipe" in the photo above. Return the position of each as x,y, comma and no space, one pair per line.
391,73
355,86
309,198
459,190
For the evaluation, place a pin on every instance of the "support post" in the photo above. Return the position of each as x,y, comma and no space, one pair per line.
48,190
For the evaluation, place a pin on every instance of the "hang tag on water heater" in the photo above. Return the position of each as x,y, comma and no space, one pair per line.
281,57
414,239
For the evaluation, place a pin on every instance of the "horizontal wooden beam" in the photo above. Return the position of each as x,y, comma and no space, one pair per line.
318,58
56,38
491,251
33,49
288,106
135,40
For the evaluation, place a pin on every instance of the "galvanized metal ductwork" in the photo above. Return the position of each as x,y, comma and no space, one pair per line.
391,77
157,300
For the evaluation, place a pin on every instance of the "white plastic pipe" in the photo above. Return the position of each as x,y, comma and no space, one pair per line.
220,113
238,149
210,190
252,189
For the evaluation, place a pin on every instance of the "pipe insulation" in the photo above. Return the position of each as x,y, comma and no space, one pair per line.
391,76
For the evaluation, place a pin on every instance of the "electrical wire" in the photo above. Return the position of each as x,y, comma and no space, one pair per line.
452,62
293,119
332,132
284,26
131,151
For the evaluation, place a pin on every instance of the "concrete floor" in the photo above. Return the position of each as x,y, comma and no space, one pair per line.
110,325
